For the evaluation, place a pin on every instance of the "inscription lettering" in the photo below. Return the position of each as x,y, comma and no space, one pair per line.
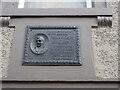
55,45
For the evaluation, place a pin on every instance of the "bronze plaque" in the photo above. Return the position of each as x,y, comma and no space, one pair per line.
52,45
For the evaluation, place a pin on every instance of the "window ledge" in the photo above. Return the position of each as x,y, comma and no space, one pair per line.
57,12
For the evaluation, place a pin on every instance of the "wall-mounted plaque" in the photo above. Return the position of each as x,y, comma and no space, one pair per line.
52,45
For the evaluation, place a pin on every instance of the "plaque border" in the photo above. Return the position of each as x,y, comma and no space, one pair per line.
26,62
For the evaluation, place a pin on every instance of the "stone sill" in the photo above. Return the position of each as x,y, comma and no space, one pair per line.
57,12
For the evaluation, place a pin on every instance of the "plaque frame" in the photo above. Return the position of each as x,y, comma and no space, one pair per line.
33,62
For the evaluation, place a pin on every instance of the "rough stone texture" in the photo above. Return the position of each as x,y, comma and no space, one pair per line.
119,40
105,46
6,35
105,52
0,53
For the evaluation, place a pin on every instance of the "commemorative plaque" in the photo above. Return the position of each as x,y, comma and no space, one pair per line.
52,45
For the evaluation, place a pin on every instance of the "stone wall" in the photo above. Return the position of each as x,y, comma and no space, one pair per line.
105,47
5,43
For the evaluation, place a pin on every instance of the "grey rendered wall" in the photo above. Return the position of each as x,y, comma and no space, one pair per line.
105,46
